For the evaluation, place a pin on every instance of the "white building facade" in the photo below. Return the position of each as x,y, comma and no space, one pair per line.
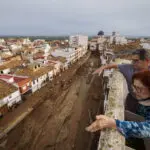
11,99
78,40
115,38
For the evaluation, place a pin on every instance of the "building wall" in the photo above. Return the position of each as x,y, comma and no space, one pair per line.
51,75
11,99
57,67
2,41
5,71
42,80
39,82
24,88
34,85
101,40
14,98
93,46
146,45
117,40
78,40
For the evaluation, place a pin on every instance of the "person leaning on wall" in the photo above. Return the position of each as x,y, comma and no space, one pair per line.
140,62
139,127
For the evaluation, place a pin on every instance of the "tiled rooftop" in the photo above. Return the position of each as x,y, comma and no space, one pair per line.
38,55
34,73
59,58
16,79
11,64
6,89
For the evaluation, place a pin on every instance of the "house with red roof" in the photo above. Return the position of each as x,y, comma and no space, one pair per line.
37,72
21,82
9,95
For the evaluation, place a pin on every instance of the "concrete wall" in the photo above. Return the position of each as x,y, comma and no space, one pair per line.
111,139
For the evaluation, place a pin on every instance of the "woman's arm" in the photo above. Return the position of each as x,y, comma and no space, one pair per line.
134,129
126,128
100,123
102,68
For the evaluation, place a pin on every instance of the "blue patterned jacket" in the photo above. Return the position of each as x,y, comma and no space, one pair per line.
136,129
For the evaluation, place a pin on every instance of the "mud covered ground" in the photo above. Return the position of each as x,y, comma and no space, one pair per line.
59,121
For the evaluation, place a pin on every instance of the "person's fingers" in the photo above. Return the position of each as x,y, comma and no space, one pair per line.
100,117
95,126
92,129
95,129
89,128
99,73
95,72
92,126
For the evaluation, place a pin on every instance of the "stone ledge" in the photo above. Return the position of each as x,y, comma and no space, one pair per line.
111,139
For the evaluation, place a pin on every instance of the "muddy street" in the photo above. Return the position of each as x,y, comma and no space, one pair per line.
58,123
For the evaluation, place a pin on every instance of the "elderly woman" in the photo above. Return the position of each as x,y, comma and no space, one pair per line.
141,88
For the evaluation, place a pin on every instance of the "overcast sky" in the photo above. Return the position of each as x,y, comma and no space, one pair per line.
65,17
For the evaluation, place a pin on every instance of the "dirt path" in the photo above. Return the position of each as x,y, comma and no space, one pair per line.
58,124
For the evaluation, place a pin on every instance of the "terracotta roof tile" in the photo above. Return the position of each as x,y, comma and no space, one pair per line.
34,73
6,89
11,64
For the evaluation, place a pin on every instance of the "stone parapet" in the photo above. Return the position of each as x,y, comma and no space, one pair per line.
111,139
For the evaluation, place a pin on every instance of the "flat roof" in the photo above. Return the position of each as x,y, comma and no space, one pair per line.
63,52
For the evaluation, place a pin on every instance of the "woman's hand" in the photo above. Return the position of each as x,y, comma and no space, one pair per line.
100,123
99,70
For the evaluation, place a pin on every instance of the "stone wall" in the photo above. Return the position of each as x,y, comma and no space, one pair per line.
111,139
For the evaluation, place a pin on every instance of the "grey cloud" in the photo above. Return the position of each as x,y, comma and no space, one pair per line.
54,17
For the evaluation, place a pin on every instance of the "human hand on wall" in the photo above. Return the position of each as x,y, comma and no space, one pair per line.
100,123
99,70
